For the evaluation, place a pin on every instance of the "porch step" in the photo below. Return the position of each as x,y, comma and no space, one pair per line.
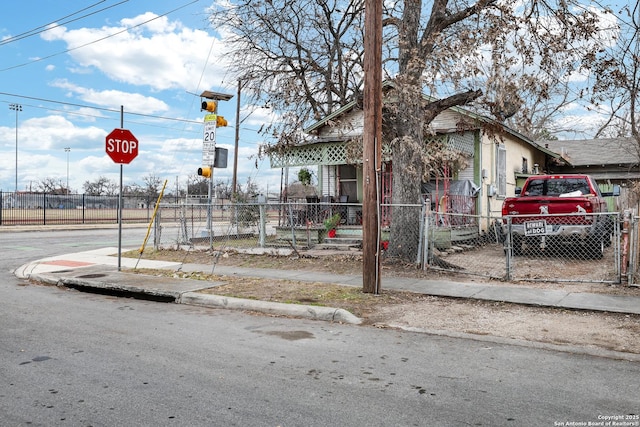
341,242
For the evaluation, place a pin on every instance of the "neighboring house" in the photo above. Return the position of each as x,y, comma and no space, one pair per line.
493,160
609,160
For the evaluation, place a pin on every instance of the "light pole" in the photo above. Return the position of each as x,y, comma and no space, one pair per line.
67,150
16,108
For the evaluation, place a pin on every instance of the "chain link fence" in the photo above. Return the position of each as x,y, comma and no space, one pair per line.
299,225
464,244
574,248
595,248
553,248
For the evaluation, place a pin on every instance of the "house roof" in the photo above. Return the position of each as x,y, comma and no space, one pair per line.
389,84
597,152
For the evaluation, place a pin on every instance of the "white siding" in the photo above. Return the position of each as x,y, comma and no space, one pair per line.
328,181
350,125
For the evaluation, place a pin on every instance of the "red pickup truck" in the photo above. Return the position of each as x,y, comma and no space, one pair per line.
555,210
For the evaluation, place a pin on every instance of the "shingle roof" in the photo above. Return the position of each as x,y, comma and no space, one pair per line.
596,152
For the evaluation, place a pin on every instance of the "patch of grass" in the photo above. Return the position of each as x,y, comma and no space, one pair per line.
321,294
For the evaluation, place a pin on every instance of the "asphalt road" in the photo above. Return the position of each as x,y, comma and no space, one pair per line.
70,358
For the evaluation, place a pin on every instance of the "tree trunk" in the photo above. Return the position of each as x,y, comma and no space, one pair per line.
408,171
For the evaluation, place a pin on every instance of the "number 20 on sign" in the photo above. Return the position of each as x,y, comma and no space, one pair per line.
209,128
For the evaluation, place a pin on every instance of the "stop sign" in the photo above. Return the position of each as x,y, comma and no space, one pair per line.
121,146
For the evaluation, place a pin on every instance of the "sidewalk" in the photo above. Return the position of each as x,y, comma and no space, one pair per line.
99,270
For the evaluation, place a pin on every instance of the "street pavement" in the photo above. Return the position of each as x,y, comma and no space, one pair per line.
98,269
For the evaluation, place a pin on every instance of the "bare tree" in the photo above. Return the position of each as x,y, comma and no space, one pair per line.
616,78
102,186
51,186
305,58
134,190
152,185
198,185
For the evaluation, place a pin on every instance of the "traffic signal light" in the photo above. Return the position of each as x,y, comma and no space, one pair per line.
206,172
221,121
209,106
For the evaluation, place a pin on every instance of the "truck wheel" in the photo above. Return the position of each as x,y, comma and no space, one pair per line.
595,249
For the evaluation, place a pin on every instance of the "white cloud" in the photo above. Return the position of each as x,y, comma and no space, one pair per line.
160,54
114,98
56,132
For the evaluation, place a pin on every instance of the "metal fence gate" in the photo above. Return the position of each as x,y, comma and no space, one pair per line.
562,248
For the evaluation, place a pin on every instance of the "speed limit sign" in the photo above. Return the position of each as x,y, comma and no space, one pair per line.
209,135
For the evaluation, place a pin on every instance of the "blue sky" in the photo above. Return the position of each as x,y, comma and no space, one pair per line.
153,58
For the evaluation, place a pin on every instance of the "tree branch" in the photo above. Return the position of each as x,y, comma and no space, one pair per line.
434,108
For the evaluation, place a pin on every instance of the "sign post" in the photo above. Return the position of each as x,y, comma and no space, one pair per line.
208,158
122,147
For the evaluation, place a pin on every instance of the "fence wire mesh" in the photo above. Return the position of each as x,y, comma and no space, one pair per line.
575,247
456,243
556,248
253,225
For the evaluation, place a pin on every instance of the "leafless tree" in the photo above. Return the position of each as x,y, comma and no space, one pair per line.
101,186
198,185
152,185
305,59
616,78
51,186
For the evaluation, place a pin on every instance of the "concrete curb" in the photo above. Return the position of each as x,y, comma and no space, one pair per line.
328,314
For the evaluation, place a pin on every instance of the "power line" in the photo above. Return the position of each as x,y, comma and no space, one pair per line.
50,25
110,110
100,39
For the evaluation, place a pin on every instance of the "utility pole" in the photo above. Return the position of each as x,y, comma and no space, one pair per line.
234,182
67,150
372,146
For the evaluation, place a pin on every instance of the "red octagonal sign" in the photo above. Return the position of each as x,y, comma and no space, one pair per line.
121,146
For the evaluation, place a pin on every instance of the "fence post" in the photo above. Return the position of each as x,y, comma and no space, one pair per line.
508,248
625,241
1,207
427,242
157,230
44,208
421,241
633,256
263,224
293,232
84,207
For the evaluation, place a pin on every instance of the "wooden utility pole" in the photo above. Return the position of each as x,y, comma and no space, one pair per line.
234,182
372,149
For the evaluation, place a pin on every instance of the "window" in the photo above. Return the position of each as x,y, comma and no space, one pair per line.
501,170
525,165
348,182
557,187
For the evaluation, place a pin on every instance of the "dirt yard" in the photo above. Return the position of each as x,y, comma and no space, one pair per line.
408,310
